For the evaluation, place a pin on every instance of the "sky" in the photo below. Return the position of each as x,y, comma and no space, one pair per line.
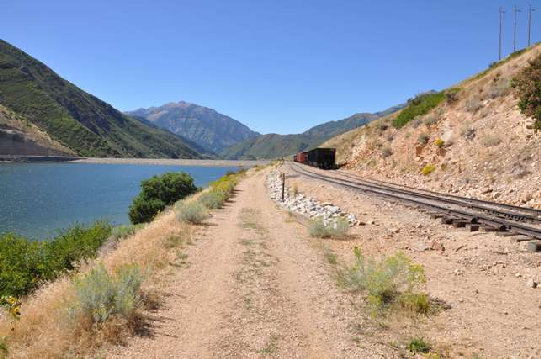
279,66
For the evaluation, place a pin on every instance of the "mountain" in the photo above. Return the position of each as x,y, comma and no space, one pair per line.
479,138
274,146
204,126
71,119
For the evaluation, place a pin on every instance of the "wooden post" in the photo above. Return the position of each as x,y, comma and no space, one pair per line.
283,185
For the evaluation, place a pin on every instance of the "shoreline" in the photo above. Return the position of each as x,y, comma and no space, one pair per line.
135,161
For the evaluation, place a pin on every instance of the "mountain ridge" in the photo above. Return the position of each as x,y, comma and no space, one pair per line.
205,126
274,145
80,122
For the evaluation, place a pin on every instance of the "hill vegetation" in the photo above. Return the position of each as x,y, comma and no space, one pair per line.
204,126
78,121
275,146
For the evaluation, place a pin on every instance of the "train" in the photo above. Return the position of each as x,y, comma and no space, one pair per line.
324,158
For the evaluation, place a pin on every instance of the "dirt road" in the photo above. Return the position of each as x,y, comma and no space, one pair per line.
256,286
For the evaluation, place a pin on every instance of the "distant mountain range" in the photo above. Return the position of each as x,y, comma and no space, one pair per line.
275,146
204,126
42,112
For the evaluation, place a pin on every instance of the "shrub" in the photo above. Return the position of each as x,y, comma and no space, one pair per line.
100,295
451,95
385,281
491,140
159,192
24,263
124,231
213,199
418,106
428,169
473,104
386,152
423,139
418,345
192,212
527,84
439,142
332,228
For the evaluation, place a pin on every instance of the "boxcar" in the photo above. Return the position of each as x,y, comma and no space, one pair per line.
324,158
295,158
302,157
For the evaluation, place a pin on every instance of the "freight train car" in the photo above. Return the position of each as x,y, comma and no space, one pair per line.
324,158
300,157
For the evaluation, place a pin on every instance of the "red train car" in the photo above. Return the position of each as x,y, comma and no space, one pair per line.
302,157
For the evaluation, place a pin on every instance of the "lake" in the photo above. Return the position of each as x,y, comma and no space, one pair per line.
38,199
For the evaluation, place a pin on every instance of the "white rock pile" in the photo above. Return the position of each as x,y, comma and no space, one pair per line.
302,204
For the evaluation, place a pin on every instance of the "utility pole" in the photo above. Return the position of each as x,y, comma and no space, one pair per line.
500,42
530,10
515,12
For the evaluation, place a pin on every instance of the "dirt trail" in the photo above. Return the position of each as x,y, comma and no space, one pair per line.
255,287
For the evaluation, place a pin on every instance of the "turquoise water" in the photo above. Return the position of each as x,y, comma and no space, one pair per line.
37,200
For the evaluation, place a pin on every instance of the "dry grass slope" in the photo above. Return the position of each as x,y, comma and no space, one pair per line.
475,143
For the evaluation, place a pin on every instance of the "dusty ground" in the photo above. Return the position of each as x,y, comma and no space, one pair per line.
254,286
480,275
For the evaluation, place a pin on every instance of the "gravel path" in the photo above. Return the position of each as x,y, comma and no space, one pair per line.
256,287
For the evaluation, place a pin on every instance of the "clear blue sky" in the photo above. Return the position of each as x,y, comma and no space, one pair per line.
277,65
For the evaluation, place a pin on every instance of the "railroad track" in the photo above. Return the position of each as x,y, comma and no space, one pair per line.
454,210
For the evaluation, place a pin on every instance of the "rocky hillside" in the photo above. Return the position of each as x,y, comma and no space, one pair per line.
471,139
52,113
275,146
204,126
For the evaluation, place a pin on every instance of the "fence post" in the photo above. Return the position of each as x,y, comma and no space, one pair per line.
283,185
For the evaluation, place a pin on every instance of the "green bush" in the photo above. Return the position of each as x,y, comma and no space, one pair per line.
527,85
100,295
159,192
192,212
24,263
418,106
384,282
335,228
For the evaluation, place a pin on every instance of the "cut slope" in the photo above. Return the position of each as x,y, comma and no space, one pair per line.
76,119
476,142
204,126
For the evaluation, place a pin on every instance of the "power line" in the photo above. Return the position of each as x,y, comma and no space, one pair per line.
530,10
515,12
500,41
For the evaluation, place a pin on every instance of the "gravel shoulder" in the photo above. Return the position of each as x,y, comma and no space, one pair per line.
494,312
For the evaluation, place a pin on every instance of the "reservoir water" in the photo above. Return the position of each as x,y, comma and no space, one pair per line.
37,200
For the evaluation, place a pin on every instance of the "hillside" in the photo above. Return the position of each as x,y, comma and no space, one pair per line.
77,122
204,126
471,139
274,145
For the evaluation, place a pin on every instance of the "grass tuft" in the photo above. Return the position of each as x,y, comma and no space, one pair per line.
419,345
332,228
